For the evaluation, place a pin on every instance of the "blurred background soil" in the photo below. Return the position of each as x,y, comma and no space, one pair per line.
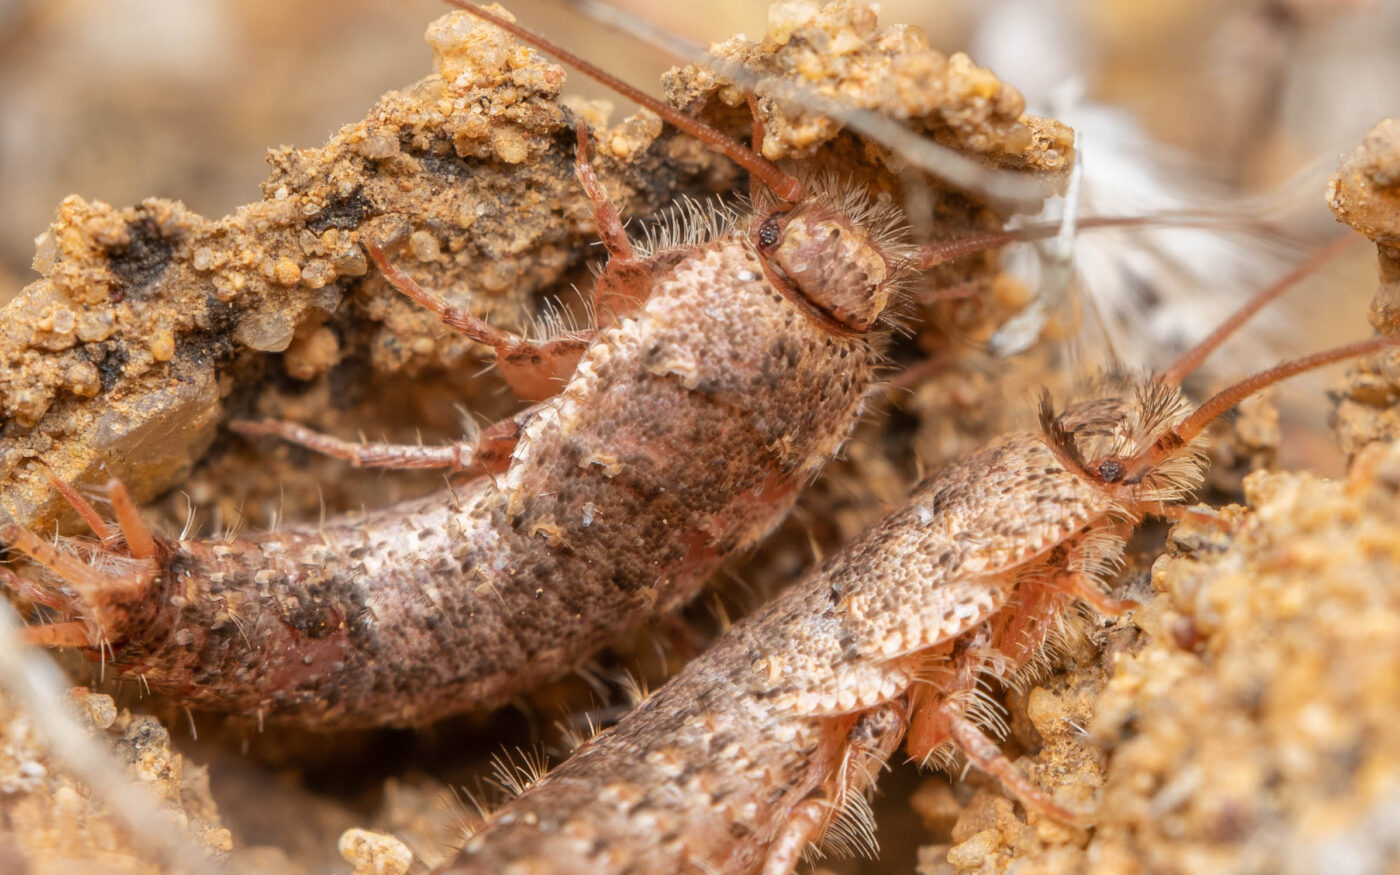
1203,763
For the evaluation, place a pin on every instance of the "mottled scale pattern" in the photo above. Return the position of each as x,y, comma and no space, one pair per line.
695,779
683,436
935,568
704,774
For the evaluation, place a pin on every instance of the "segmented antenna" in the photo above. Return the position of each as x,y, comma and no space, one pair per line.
1211,410
1189,428
785,187
1232,395
950,250
1192,358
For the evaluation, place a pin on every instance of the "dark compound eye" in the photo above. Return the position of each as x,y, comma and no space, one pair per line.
1110,471
770,232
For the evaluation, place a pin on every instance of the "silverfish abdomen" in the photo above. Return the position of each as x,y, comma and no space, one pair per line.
684,435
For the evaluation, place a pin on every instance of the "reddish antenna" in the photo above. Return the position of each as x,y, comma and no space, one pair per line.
951,250
1232,395
1192,358
1190,427
784,186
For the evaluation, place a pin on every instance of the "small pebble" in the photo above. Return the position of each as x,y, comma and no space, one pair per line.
162,345
287,272
374,853
424,246
971,853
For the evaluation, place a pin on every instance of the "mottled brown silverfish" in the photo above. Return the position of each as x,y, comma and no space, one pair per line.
729,365
772,738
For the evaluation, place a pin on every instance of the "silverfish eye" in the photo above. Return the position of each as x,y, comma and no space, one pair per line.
1110,471
771,231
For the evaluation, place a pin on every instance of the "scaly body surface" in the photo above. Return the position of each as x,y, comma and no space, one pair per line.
727,365
683,436
771,739
756,747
